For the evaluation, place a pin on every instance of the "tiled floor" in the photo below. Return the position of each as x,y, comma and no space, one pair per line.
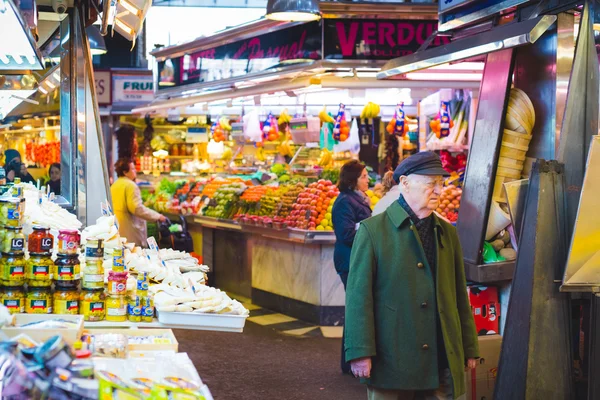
287,325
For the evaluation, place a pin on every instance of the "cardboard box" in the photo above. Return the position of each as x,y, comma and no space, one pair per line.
70,336
480,381
486,309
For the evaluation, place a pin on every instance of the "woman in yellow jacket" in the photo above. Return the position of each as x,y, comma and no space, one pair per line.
128,206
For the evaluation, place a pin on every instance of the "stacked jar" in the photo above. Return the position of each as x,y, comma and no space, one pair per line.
116,303
141,306
38,271
12,246
93,300
66,273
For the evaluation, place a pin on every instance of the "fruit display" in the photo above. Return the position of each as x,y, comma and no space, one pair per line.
224,201
270,203
443,122
371,110
450,203
211,187
374,195
251,199
451,163
341,130
220,130
270,129
288,199
43,154
325,159
311,208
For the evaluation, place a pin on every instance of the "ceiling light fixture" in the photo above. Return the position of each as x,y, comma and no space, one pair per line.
428,76
293,10
129,17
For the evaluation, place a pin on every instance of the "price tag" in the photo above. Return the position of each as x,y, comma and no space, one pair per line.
307,215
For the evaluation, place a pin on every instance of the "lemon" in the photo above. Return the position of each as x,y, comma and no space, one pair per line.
324,222
328,216
329,228
329,209
320,228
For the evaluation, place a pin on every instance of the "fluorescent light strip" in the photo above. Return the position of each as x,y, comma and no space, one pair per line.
130,7
463,66
425,76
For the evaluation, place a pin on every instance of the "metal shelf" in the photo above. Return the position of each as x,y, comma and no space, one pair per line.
490,273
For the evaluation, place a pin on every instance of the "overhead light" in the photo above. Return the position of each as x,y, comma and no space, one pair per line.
428,76
129,17
128,31
19,51
461,66
97,44
293,10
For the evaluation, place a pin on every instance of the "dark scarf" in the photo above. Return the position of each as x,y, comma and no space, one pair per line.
426,234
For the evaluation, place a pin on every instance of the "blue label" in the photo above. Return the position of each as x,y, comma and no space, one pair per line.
148,311
13,213
134,310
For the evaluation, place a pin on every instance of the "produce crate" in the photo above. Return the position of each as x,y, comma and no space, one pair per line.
70,336
170,344
203,321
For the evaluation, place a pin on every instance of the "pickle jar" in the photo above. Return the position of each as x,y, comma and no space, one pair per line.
40,241
66,268
92,304
38,301
38,270
116,308
93,274
13,298
66,301
11,211
66,285
13,240
12,269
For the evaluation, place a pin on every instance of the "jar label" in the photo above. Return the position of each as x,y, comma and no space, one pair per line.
116,312
118,261
66,306
94,252
47,244
117,287
17,244
142,285
38,304
67,246
14,213
96,306
16,272
13,305
148,311
66,273
40,271
94,278
134,310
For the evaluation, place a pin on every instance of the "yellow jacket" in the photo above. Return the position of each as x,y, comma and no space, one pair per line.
130,211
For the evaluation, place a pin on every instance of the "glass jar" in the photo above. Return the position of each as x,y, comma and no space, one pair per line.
68,242
94,248
117,283
12,269
116,309
40,241
13,240
65,285
134,309
13,298
66,301
11,211
66,268
38,301
93,274
38,270
93,304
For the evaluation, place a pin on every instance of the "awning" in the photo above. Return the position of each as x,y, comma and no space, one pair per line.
502,37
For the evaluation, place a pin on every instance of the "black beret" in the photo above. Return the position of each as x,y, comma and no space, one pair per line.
422,163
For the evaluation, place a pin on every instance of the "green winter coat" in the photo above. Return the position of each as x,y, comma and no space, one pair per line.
390,310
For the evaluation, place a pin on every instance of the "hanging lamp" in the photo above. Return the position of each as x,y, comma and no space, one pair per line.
293,10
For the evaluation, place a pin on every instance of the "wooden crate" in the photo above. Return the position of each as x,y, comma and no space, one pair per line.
70,336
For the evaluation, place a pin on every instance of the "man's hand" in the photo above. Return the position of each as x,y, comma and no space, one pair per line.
361,367
162,219
471,363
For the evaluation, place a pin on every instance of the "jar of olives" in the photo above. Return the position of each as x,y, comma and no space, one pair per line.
38,270
93,304
12,240
66,268
38,301
12,269
13,298
11,211
66,301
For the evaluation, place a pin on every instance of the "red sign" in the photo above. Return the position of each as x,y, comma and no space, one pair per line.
377,39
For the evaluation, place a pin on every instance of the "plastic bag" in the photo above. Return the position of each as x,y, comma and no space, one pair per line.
490,255
352,144
326,141
252,126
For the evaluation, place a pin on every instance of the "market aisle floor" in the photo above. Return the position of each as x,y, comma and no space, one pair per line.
264,364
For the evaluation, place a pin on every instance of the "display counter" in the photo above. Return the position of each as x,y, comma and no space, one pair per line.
290,271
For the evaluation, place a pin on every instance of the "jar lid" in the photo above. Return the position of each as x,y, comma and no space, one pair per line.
117,296
93,289
13,228
69,231
12,200
38,289
117,275
49,255
14,254
40,228
66,256
67,284
12,287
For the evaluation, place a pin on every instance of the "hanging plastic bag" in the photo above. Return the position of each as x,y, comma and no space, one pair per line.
252,126
352,144
214,149
326,141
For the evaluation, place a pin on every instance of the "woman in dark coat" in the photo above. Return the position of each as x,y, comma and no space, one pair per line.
351,207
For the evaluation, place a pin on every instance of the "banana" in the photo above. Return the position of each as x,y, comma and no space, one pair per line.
284,118
325,117
224,122
325,158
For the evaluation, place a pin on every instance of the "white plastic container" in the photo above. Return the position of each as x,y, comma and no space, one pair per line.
203,321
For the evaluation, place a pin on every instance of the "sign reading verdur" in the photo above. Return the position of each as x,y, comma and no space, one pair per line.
376,39
129,88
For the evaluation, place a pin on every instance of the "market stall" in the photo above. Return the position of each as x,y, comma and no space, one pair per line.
250,136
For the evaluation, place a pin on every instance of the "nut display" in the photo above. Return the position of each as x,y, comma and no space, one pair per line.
92,303
38,271
11,211
13,298
38,301
66,302
12,269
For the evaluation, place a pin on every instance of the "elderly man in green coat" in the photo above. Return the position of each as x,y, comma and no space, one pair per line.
409,328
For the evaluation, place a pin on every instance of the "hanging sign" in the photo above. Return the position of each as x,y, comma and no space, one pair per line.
255,54
128,88
374,39
456,13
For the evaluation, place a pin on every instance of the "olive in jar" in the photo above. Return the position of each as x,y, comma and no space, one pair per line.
38,270
13,298
13,240
93,304
66,301
38,301
11,211
12,269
